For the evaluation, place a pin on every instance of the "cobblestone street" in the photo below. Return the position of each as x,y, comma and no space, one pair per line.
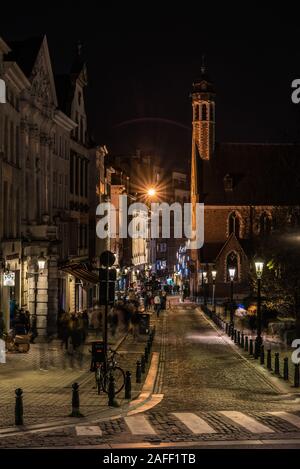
210,393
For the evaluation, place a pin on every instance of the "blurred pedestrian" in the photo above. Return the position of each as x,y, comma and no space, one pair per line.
157,305
33,328
2,325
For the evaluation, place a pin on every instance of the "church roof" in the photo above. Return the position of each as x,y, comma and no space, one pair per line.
261,174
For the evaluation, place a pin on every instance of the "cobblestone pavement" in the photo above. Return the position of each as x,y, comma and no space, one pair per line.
46,375
211,393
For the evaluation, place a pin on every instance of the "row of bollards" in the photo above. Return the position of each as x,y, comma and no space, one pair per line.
254,350
140,369
141,364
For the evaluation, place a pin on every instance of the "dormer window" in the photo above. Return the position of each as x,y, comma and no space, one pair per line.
228,183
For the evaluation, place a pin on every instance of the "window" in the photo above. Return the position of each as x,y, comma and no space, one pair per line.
234,224
264,224
6,138
228,183
77,162
12,143
81,176
196,112
204,112
86,175
17,146
232,262
71,173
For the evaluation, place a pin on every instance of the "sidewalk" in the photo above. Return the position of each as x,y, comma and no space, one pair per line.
48,388
269,344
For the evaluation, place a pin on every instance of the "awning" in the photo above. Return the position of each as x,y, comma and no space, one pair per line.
81,272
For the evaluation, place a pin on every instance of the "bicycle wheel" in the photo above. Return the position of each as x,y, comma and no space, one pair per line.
119,377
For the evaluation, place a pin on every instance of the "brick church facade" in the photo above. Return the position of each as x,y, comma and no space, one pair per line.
248,190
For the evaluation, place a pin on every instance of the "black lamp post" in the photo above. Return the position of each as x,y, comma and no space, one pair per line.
259,265
204,281
214,275
231,272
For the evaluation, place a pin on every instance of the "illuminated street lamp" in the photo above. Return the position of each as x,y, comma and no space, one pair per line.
259,265
151,192
41,261
231,272
214,275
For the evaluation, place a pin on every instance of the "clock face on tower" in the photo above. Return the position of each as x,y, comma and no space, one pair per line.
204,86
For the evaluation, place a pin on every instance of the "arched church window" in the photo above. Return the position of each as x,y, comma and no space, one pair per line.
197,112
204,112
264,224
232,262
234,224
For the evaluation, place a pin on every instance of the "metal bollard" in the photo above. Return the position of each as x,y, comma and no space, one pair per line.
251,347
269,359
128,385
286,369
235,336
226,327
143,367
111,391
246,343
232,332
19,407
138,375
297,376
75,401
242,340
262,355
276,367
239,338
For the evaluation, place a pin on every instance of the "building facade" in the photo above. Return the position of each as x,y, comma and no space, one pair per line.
45,162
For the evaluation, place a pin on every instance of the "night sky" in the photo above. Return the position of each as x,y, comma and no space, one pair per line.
141,69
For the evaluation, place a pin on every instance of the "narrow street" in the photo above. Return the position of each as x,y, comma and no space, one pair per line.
210,393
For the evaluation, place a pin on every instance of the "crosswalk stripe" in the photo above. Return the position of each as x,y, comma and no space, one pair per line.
92,430
246,421
139,425
194,423
291,418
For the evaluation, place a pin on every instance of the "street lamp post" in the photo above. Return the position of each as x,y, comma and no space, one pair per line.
214,275
231,272
259,265
204,277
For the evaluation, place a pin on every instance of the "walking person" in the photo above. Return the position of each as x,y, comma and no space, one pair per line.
33,328
2,325
157,304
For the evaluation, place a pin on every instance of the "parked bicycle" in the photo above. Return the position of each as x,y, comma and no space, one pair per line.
104,370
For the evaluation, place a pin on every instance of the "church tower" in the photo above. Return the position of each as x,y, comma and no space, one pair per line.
203,143
203,103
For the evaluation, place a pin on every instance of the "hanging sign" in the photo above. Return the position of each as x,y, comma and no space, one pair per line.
9,279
